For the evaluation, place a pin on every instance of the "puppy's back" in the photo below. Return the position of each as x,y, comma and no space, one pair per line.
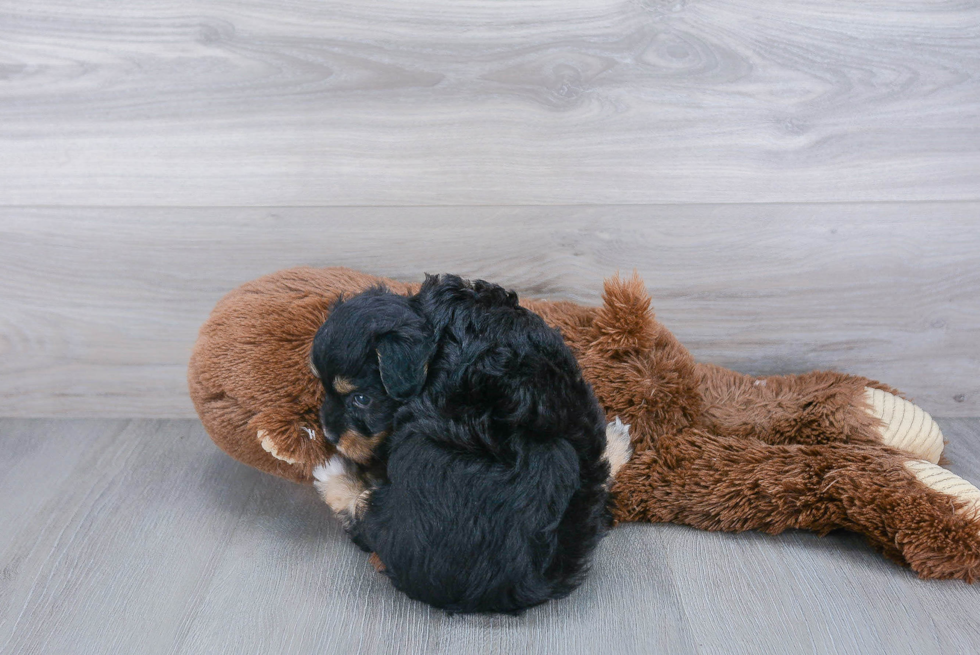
497,482
468,535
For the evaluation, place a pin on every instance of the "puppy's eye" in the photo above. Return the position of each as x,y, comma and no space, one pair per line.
361,400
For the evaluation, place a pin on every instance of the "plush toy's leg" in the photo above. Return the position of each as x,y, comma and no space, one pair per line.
913,511
642,373
818,407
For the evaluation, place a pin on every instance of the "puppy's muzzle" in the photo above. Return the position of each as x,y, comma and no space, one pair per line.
331,436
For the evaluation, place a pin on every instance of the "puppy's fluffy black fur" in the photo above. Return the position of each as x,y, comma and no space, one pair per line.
493,494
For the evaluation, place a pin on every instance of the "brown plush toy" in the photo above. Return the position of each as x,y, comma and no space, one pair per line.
713,448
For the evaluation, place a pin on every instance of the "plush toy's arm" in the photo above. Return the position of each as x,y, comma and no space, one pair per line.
915,512
813,408
618,447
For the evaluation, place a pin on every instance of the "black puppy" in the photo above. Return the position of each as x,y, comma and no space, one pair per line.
482,478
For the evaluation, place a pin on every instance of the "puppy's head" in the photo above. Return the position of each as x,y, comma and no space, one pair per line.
372,355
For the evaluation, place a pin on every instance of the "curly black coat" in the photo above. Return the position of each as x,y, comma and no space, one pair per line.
494,494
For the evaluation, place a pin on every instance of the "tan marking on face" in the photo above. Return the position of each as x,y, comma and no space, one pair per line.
342,385
356,447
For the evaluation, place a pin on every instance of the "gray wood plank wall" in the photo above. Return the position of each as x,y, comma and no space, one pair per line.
798,183
261,102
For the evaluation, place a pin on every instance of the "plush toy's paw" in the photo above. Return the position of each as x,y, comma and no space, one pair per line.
946,482
618,446
293,443
269,446
907,427
939,537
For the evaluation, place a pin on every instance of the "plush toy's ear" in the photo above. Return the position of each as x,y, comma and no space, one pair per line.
625,321
403,361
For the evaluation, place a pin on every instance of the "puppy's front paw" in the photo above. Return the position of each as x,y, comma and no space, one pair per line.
376,562
618,446
333,466
341,489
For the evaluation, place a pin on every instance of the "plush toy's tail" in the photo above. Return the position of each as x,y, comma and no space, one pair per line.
625,320
638,369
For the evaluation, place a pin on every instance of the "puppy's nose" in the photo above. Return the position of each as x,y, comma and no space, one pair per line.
330,435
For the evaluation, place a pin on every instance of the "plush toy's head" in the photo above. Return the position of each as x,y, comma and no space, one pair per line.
250,377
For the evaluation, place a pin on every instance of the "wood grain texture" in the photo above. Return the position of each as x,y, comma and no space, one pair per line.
140,536
265,103
99,308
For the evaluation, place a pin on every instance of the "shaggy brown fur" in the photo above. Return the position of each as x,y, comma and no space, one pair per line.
714,449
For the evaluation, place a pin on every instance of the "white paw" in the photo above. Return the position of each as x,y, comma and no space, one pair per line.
907,427
340,488
332,467
618,446
269,446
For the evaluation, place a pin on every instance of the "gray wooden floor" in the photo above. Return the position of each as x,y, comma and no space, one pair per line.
141,537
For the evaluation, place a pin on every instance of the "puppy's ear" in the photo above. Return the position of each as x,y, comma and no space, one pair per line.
403,361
